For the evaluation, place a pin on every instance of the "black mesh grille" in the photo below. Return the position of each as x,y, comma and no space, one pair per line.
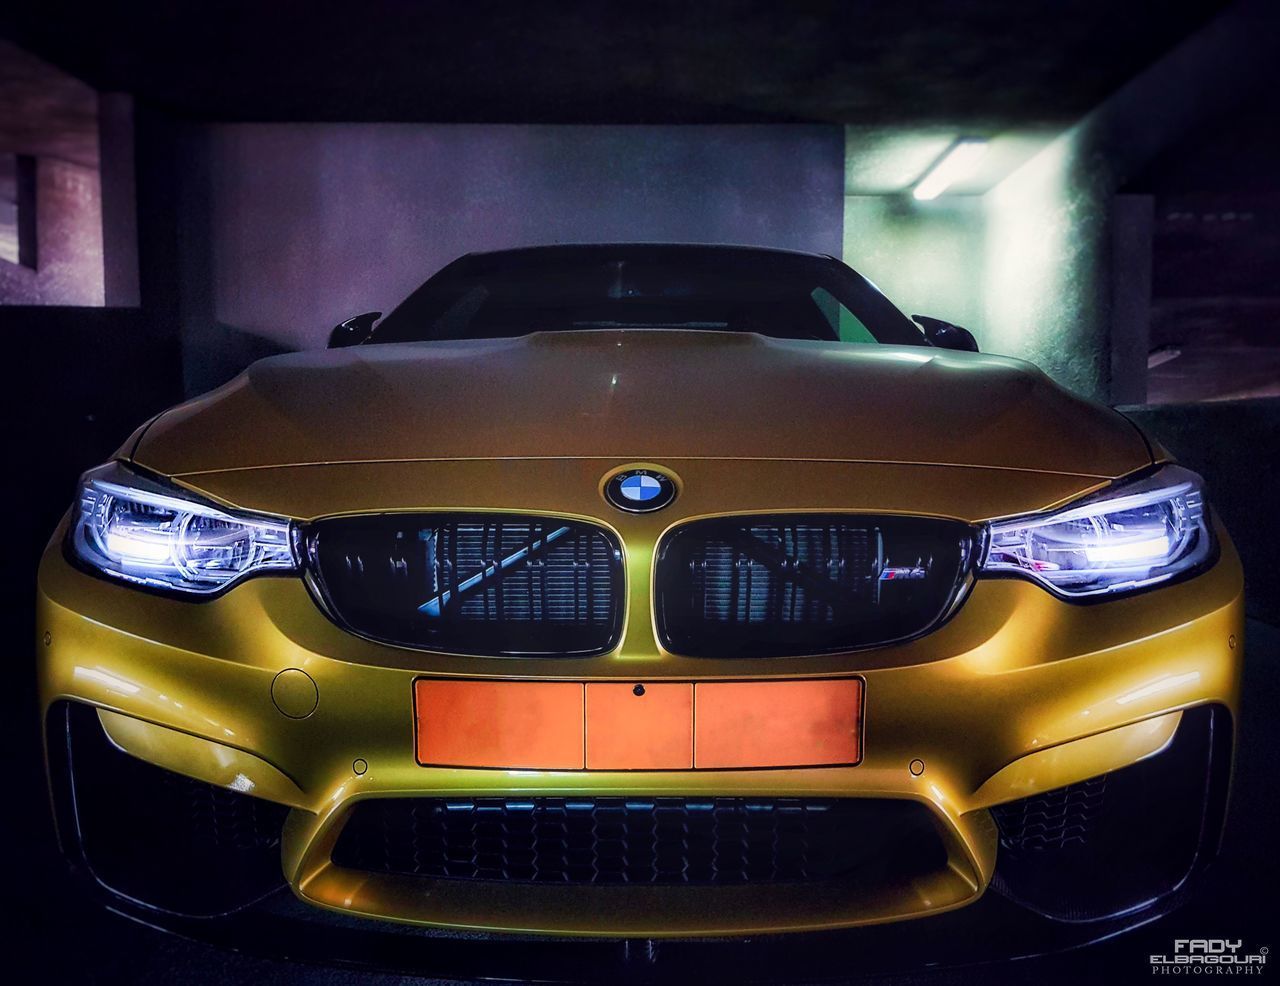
161,837
478,584
1056,819
220,818
771,586
638,840
1115,842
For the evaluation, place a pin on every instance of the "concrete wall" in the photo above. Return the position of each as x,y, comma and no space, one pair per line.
68,232
118,174
928,259
1045,285
1235,445
1051,264
310,223
47,115
1050,277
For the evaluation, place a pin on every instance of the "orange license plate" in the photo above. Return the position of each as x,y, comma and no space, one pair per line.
746,724
639,727
567,725
523,725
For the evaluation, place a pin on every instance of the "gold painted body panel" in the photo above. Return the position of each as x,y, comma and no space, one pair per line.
1016,674
1018,692
642,394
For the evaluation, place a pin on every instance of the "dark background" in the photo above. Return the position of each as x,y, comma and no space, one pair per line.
254,173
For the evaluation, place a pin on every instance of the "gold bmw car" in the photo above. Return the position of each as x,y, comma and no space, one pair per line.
642,592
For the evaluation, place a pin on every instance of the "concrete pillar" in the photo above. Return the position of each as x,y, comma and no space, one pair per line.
119,200
1132,219
1048,287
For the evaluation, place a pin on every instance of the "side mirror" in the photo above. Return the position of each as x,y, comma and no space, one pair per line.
944,335
355,330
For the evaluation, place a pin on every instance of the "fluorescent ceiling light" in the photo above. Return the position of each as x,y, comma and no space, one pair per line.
956,164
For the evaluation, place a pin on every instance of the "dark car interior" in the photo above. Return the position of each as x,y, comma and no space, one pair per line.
511,293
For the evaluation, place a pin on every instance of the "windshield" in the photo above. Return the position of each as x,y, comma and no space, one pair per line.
787,296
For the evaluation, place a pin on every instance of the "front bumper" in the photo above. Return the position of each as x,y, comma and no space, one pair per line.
275,923
1018,695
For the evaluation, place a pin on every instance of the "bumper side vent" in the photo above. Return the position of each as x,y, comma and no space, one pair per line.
144,832
1059,819
1112,844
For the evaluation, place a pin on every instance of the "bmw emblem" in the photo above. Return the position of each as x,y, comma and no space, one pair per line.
640,491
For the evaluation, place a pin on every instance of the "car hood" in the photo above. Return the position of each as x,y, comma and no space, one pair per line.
642,395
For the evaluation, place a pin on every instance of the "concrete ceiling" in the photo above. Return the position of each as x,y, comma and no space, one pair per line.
996,66
891,159
45,112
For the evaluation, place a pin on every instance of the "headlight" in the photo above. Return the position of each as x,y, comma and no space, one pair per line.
1128,537
138,529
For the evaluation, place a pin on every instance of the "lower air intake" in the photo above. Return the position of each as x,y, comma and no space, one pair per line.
640,840
1059,819
1114,843
173,842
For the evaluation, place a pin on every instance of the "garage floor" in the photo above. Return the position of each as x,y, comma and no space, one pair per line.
81,944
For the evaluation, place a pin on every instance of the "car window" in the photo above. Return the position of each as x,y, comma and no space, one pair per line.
789,296
847,326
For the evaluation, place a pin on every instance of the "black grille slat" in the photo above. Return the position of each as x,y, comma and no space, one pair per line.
225,819
1057,819
647,841
475,584
776,586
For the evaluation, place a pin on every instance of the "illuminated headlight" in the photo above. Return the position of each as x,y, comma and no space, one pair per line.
143,531
1128,537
